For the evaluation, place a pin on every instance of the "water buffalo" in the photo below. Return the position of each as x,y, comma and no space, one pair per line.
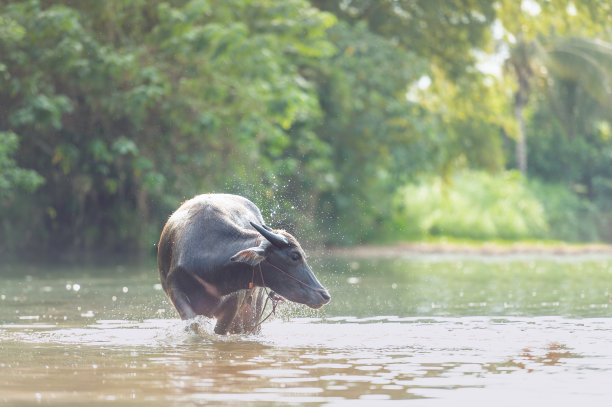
215,256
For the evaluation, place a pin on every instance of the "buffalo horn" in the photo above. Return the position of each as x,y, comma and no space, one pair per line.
277,240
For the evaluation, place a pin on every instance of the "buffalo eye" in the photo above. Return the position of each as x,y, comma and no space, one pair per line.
295,256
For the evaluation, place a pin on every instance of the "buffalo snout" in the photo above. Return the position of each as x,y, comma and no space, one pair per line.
310,293
323,299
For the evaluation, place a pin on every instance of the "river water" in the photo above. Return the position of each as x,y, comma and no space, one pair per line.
432,331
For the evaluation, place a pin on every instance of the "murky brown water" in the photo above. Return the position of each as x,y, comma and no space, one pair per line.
422,332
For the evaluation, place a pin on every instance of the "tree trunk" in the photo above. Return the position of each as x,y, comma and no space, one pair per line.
521,64
521,142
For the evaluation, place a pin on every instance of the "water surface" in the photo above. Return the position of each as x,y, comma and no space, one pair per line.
420,331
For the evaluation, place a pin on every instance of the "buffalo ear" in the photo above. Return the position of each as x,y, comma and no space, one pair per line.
251,256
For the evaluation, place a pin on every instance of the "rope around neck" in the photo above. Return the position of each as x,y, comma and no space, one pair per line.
275,299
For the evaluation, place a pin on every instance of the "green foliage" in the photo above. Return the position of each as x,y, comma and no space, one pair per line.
576,160
472,205
374,133
570,155
467,117
318,111
424,27
75,103
548,42
480,206
570,217
13,178
130,107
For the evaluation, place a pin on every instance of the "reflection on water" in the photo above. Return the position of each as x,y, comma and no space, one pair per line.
438,333
310,361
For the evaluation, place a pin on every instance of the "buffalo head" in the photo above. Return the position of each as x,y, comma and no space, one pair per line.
284,267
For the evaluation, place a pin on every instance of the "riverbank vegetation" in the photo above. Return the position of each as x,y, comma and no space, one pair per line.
479,206
349,121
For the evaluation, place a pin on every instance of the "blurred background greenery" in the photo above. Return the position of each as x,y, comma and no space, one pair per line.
350,121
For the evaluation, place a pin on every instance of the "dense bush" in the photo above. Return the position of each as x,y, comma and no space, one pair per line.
569,216
478,205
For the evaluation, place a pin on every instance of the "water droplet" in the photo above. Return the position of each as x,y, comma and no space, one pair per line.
125,289
353,280
76,287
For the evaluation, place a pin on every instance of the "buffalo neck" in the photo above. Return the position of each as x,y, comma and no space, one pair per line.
231,277
237,277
